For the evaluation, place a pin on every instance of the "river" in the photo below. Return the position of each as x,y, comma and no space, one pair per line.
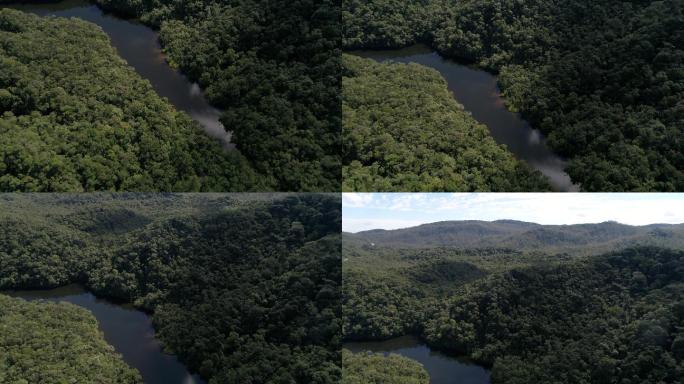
130,332
479,93
139,46
442,369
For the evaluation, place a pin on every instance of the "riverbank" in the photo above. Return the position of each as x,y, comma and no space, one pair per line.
139,46
442,368
479,93
127,329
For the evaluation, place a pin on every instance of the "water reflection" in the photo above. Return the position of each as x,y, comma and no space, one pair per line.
139,46
130,332
479,93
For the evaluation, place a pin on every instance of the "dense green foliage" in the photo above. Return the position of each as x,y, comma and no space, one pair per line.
363,368
56,343
261,274
75,117
551,308
403,131
603,79
613,319
274,66
386,23
390,292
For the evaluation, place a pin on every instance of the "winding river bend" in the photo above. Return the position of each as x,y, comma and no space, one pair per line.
479,93
128,330
139,46
442,369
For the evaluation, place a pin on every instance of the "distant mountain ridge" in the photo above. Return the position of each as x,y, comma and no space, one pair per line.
520,235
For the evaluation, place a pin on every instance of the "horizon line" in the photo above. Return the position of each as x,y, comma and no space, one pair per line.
509,220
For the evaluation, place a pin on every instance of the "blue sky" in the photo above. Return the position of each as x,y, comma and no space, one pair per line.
363,211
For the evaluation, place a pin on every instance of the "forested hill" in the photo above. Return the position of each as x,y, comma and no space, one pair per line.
520,236
196,261
273,66
617,318
532,316
602,79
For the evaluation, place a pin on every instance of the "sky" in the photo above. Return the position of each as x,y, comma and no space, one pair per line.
364,211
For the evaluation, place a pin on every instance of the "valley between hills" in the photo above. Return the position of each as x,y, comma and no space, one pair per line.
592,303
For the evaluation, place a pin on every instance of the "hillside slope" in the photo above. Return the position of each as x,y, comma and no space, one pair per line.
261,273
576,239
616,318
536,303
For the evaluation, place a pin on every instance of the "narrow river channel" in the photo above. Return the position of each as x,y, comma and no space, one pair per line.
139,46
442,369
128,330
479,93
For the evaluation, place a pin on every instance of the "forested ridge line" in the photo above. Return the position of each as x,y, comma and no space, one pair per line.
403,131
394,279
602,79
273,66
66,346
259,273
75,117
576,239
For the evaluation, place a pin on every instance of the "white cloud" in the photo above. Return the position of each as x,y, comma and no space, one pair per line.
356,199
358,225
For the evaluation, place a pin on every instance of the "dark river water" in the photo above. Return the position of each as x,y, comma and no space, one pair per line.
128,330
443,369
139,46
479,93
